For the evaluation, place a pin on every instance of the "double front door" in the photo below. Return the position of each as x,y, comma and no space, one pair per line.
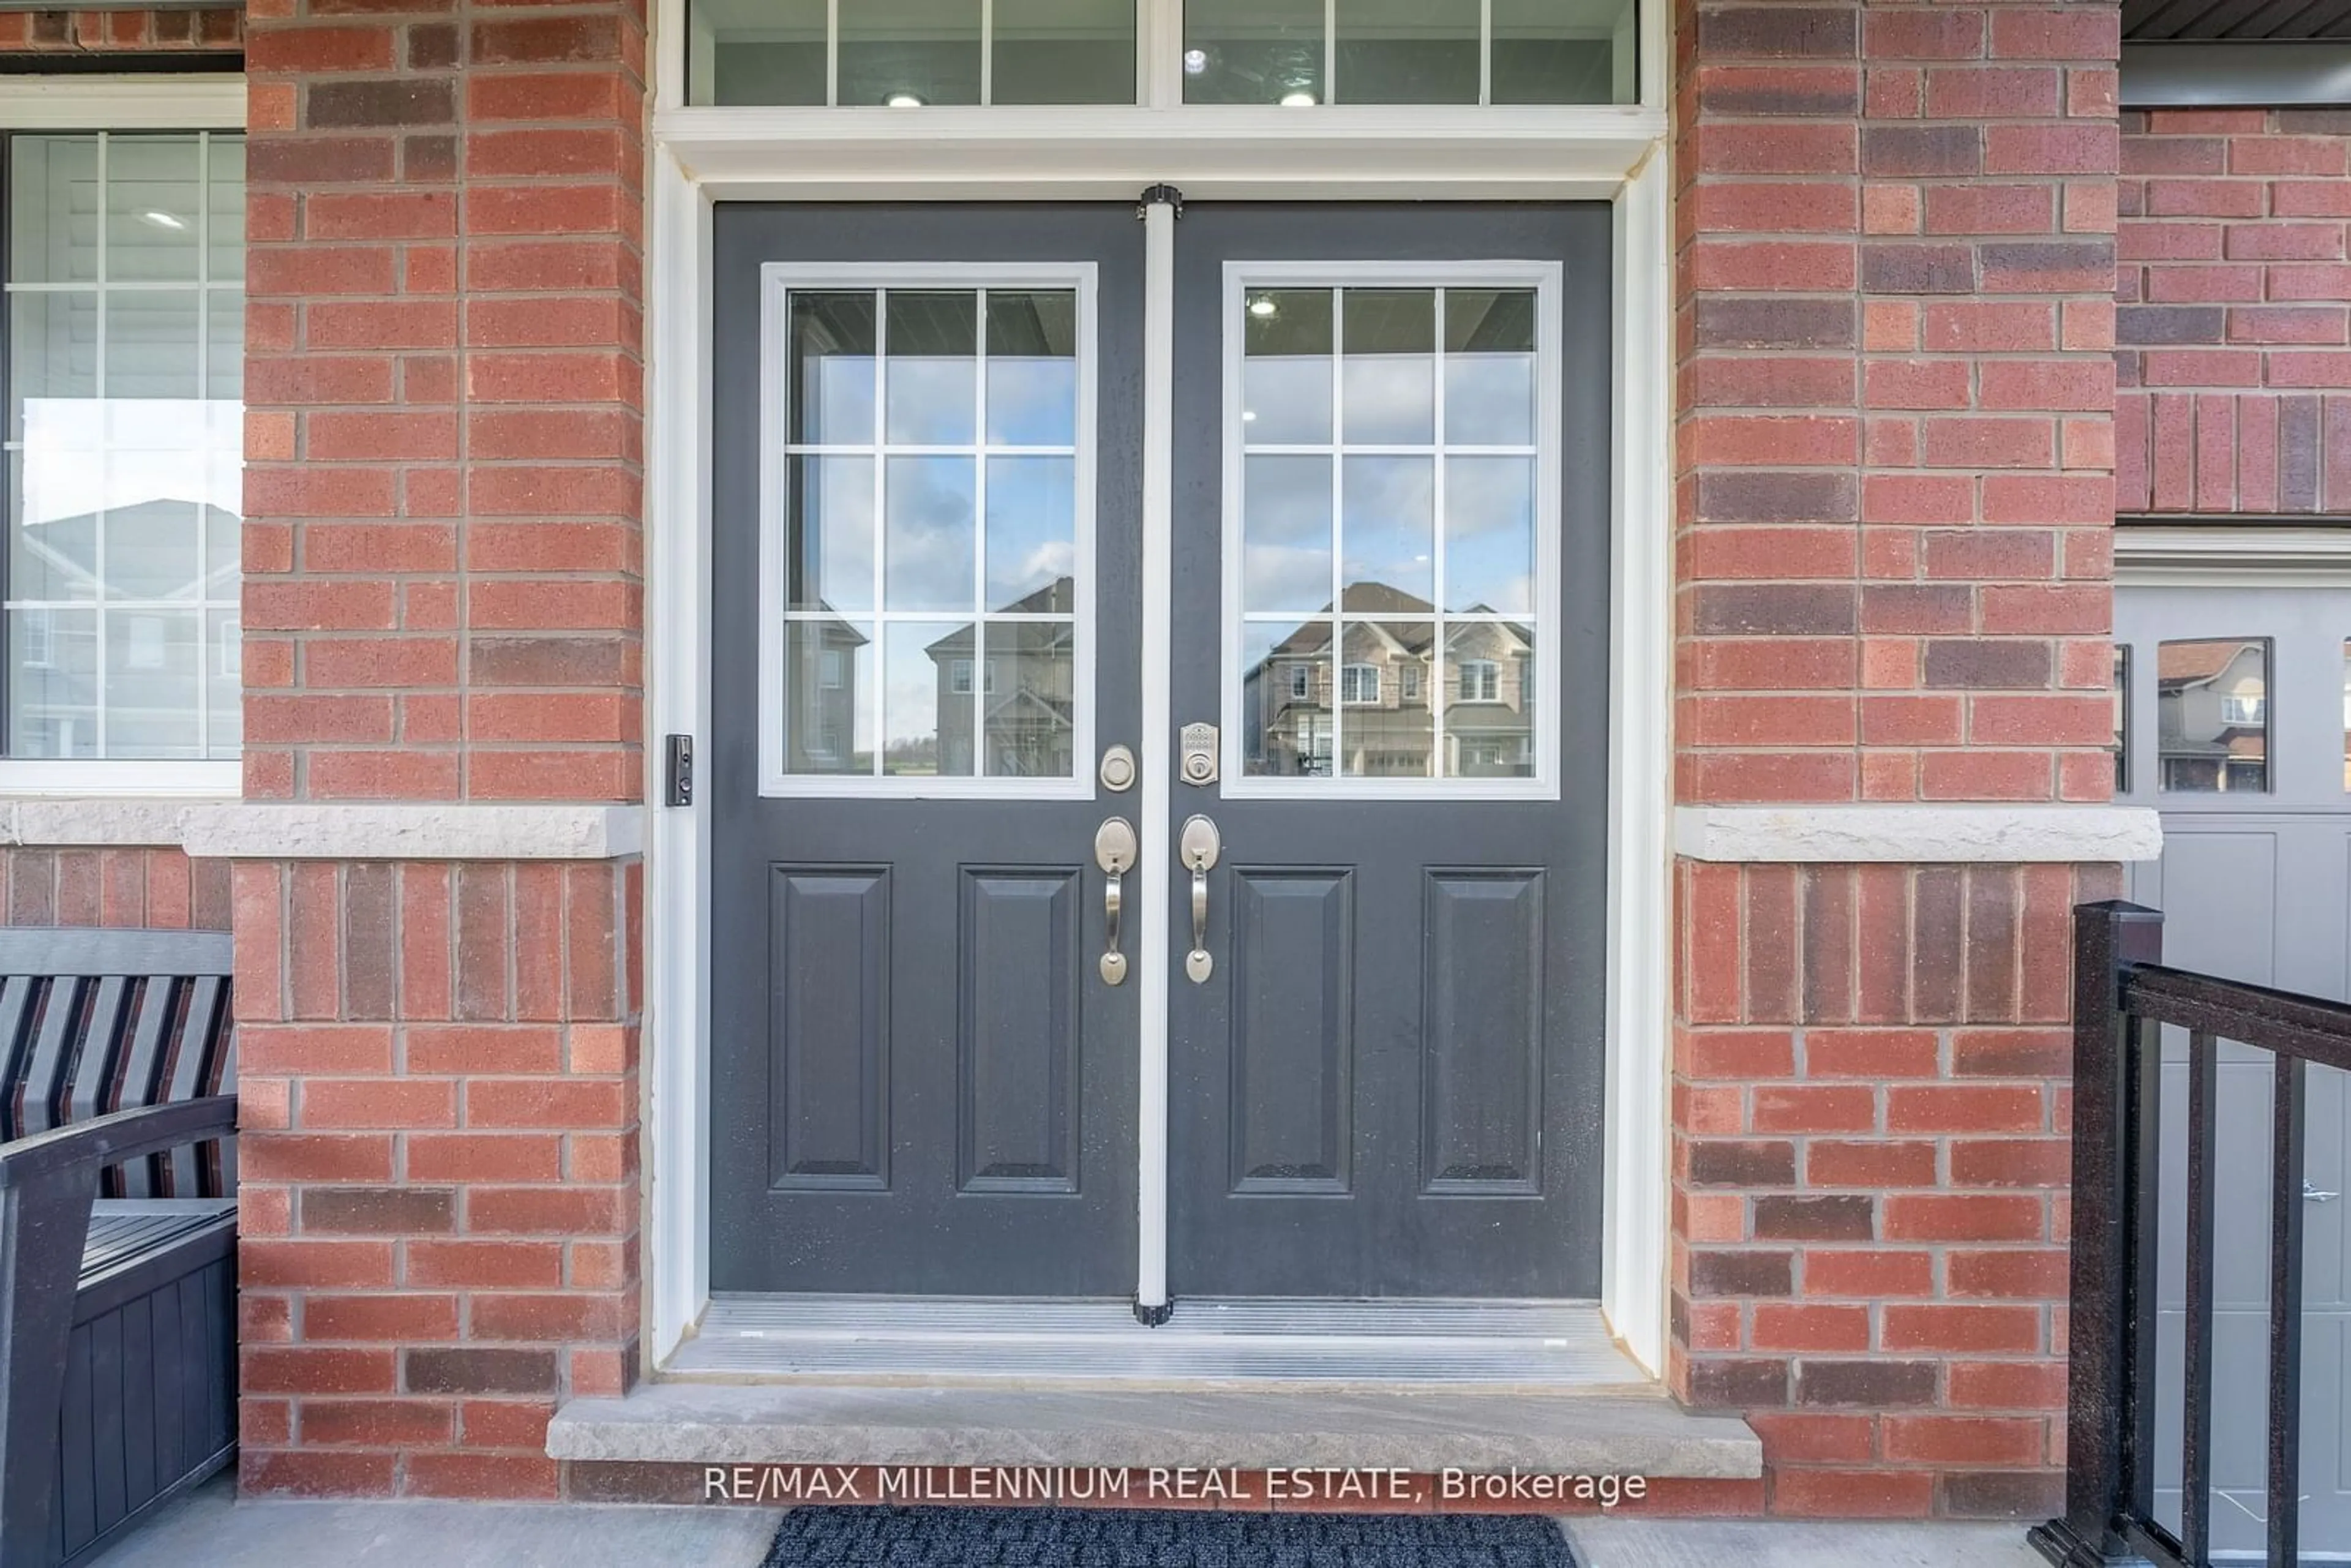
1206,888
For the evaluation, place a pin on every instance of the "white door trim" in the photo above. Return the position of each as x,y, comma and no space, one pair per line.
703,156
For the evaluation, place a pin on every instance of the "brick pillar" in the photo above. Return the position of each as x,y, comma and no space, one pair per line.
1895,503
442,603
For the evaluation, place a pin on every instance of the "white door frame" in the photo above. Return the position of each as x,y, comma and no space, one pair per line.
704,156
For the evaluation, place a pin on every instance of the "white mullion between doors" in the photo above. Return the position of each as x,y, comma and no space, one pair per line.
1155,945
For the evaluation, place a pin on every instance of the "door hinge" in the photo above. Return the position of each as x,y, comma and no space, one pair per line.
678,786
1155,194
1153,1317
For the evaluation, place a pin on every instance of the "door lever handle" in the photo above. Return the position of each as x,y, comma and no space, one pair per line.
2310,1193
1198,845
1115,853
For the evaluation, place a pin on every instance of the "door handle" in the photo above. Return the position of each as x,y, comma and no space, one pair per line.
1197,846
1115,853
2310,1193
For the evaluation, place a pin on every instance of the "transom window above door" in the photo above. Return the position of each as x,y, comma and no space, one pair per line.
915,54
1391,527
927,533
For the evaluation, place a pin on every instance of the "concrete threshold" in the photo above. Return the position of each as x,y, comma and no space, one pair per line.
1241,1426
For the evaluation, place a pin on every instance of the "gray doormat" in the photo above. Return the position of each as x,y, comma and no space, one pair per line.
1134,1538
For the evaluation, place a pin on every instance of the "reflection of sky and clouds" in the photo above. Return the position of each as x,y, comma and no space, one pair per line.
1032,524
1387,527
911,690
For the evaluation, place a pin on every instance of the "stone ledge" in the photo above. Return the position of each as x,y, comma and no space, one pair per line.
1227,1426
418,832
1917,835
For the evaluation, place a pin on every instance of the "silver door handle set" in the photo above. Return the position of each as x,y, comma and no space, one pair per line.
1198,847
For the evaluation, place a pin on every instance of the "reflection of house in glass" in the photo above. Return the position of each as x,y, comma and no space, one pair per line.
169,626
824,659
2212,715
1026,676
1390,685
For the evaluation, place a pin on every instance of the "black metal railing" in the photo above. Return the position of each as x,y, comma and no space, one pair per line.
2123,996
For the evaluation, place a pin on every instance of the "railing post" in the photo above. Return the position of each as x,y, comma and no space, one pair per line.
2108,938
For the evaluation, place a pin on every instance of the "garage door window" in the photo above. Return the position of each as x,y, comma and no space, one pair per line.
2212,716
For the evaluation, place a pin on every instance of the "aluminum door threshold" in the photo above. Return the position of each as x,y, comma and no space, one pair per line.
1560,1346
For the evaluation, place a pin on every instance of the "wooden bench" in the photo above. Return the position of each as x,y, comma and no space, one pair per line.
118,1232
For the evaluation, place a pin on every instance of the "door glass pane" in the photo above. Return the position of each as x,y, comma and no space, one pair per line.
1387,386
756,51
929,679
1489,367
832,369
1285,533
1032,533
1429,553
1383,732
1253,51
894,549
1028,695
828,534
932,388
1489,534
1407,51
1286,685
1387,544
1286,367
2212,715
929,531
1487,690
907,53
828,709
1033,368
1062,51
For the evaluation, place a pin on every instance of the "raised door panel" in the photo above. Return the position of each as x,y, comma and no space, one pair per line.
1481,1042
1018,1050
1293,1104
829,998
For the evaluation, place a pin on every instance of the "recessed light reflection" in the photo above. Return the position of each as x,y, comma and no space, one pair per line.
1301,100
1263,307
905,100
163,220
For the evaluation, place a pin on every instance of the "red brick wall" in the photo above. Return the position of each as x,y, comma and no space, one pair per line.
442,603
2234,332
122,32
126,887
1895,503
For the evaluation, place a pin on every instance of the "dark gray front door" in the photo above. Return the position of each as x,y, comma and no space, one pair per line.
921,1084
1391,596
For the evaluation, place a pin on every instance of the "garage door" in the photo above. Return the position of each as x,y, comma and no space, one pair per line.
2233,725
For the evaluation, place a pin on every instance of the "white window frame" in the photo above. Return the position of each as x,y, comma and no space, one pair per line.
1353,679
124,103
1488,676
779,282
1614,153
1545,278
1302,683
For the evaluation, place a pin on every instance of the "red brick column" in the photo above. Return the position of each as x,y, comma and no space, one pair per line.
442,603
1895,498
2235,318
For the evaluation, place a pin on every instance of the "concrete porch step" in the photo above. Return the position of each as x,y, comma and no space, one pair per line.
1222,1425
